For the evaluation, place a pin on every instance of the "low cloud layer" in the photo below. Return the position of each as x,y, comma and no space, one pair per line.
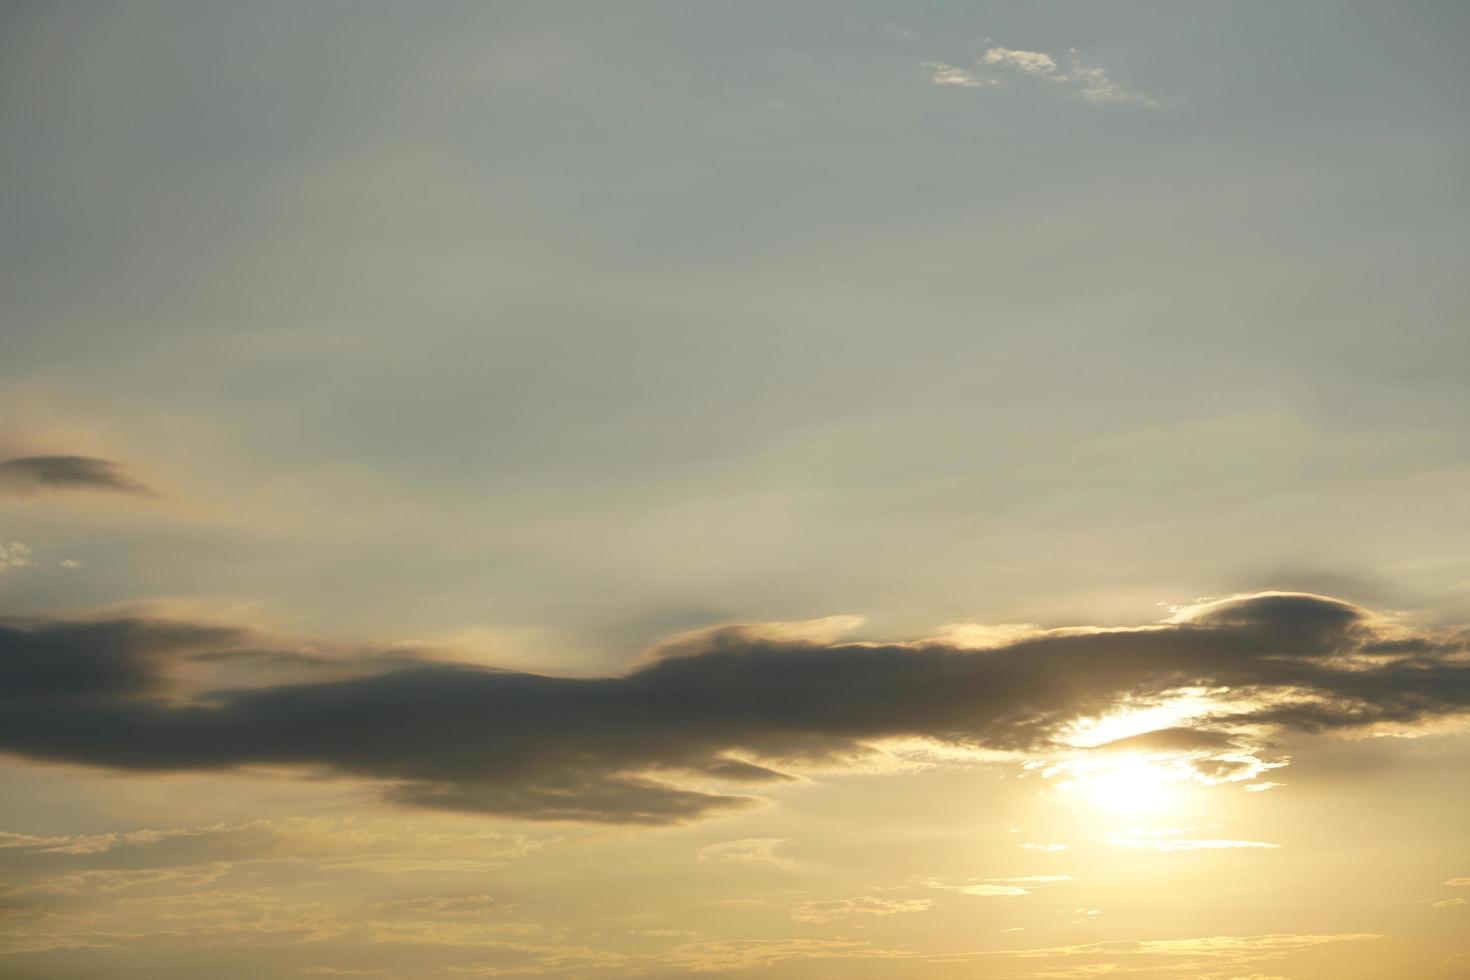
683,734
41,474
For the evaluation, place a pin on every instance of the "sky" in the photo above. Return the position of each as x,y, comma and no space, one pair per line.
660,489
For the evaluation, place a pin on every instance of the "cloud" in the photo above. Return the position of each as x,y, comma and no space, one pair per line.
981,889
107,880
996,887
843,908
13,556
1240,949
454,906
325,843
751,850
1036,879
527,959
723,955
734,708
1172,740
175,910
1027,62
1184,844
1065,73
43,474
87,843
942,73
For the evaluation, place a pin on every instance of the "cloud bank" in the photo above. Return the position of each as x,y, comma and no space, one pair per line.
683,734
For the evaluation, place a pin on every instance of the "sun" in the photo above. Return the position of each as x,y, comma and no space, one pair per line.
1123,784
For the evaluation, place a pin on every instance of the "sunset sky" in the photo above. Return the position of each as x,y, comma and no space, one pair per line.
757,490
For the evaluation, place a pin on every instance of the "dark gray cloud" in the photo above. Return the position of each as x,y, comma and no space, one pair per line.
46,661
35,474
734,706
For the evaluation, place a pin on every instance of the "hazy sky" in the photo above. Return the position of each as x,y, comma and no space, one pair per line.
611,489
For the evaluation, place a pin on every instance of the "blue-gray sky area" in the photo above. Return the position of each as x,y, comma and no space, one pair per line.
803,352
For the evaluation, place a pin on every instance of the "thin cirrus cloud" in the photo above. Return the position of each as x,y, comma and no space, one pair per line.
119,859
46,474
750,850
1168,843
1069,73
865,905
996,887
687,734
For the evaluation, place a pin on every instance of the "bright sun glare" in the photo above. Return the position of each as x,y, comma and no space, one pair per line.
1124,784
1132,782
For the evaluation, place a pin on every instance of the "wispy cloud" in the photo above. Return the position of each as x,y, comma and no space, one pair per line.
750,850
843,908
358,845
995,887
106,880
14,556
1167,840
41,474
984,890
724,955
943,73
1227,948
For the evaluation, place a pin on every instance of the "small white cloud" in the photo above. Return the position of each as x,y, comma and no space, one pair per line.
1029,62
1068,72
1450,903
1261,787
941,73
69,563
13,556
1044,847
1458,882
